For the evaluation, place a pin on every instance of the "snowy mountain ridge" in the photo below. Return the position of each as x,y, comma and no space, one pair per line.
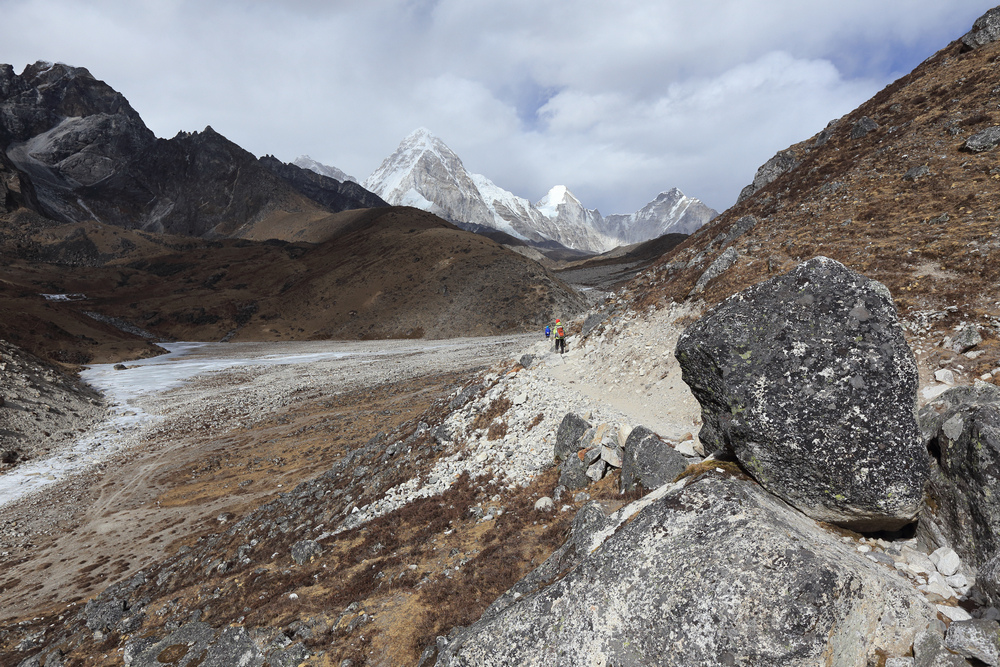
425,173
306,162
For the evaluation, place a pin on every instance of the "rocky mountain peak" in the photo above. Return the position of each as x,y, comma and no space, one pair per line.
424,172
306,162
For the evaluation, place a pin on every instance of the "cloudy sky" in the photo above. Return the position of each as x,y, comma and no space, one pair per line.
616,99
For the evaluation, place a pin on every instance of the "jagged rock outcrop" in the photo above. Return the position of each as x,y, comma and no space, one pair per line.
808,380
985,30
767,173
647,587
89,156
196,184
65,129
336,195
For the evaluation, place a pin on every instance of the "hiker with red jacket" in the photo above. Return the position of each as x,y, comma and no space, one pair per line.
560,334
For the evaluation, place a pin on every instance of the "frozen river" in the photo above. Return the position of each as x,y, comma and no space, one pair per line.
140,396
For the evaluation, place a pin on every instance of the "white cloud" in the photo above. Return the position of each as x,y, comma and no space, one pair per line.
618,101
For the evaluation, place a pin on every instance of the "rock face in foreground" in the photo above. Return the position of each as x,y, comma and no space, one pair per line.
962,430
715,573
808,380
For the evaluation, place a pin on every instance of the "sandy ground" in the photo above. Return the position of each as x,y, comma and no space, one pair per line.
240,425
213,447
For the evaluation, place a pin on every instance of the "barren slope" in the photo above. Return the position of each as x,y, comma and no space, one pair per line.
929,235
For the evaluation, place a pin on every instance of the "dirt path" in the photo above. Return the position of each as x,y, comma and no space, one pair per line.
217,446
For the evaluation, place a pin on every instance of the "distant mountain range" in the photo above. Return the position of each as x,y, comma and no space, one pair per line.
85,154
425,173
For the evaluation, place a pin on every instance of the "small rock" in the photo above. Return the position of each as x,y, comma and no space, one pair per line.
686,448
946,560
305,550
120,367
945,375
596,471
953,613
544,504
937,586
612,456
863,127
966,339
899,662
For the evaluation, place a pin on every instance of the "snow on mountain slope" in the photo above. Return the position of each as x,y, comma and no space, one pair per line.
423,165
306,162
425,173
670,213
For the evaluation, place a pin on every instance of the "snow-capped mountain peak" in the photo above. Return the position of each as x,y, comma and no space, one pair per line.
425,173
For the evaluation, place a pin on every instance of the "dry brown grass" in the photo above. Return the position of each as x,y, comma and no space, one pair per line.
847,200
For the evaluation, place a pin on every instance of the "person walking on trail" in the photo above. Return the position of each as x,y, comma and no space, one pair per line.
560,337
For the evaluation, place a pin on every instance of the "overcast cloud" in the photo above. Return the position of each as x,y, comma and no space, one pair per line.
616,100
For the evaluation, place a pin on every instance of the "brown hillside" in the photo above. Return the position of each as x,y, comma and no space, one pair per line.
929,235
388,273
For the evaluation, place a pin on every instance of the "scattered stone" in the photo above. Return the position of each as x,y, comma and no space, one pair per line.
612,456
945,375
946,561
929,651
573,473
120,367
596,470
953,613
914,173
526,360
808,380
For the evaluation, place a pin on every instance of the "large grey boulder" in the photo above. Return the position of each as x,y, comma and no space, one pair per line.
808,380
984,31
649,462
977,638
713,571
962,431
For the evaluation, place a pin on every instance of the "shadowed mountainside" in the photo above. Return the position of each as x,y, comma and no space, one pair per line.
387,273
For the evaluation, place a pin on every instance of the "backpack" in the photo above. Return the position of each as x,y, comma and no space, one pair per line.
559,332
